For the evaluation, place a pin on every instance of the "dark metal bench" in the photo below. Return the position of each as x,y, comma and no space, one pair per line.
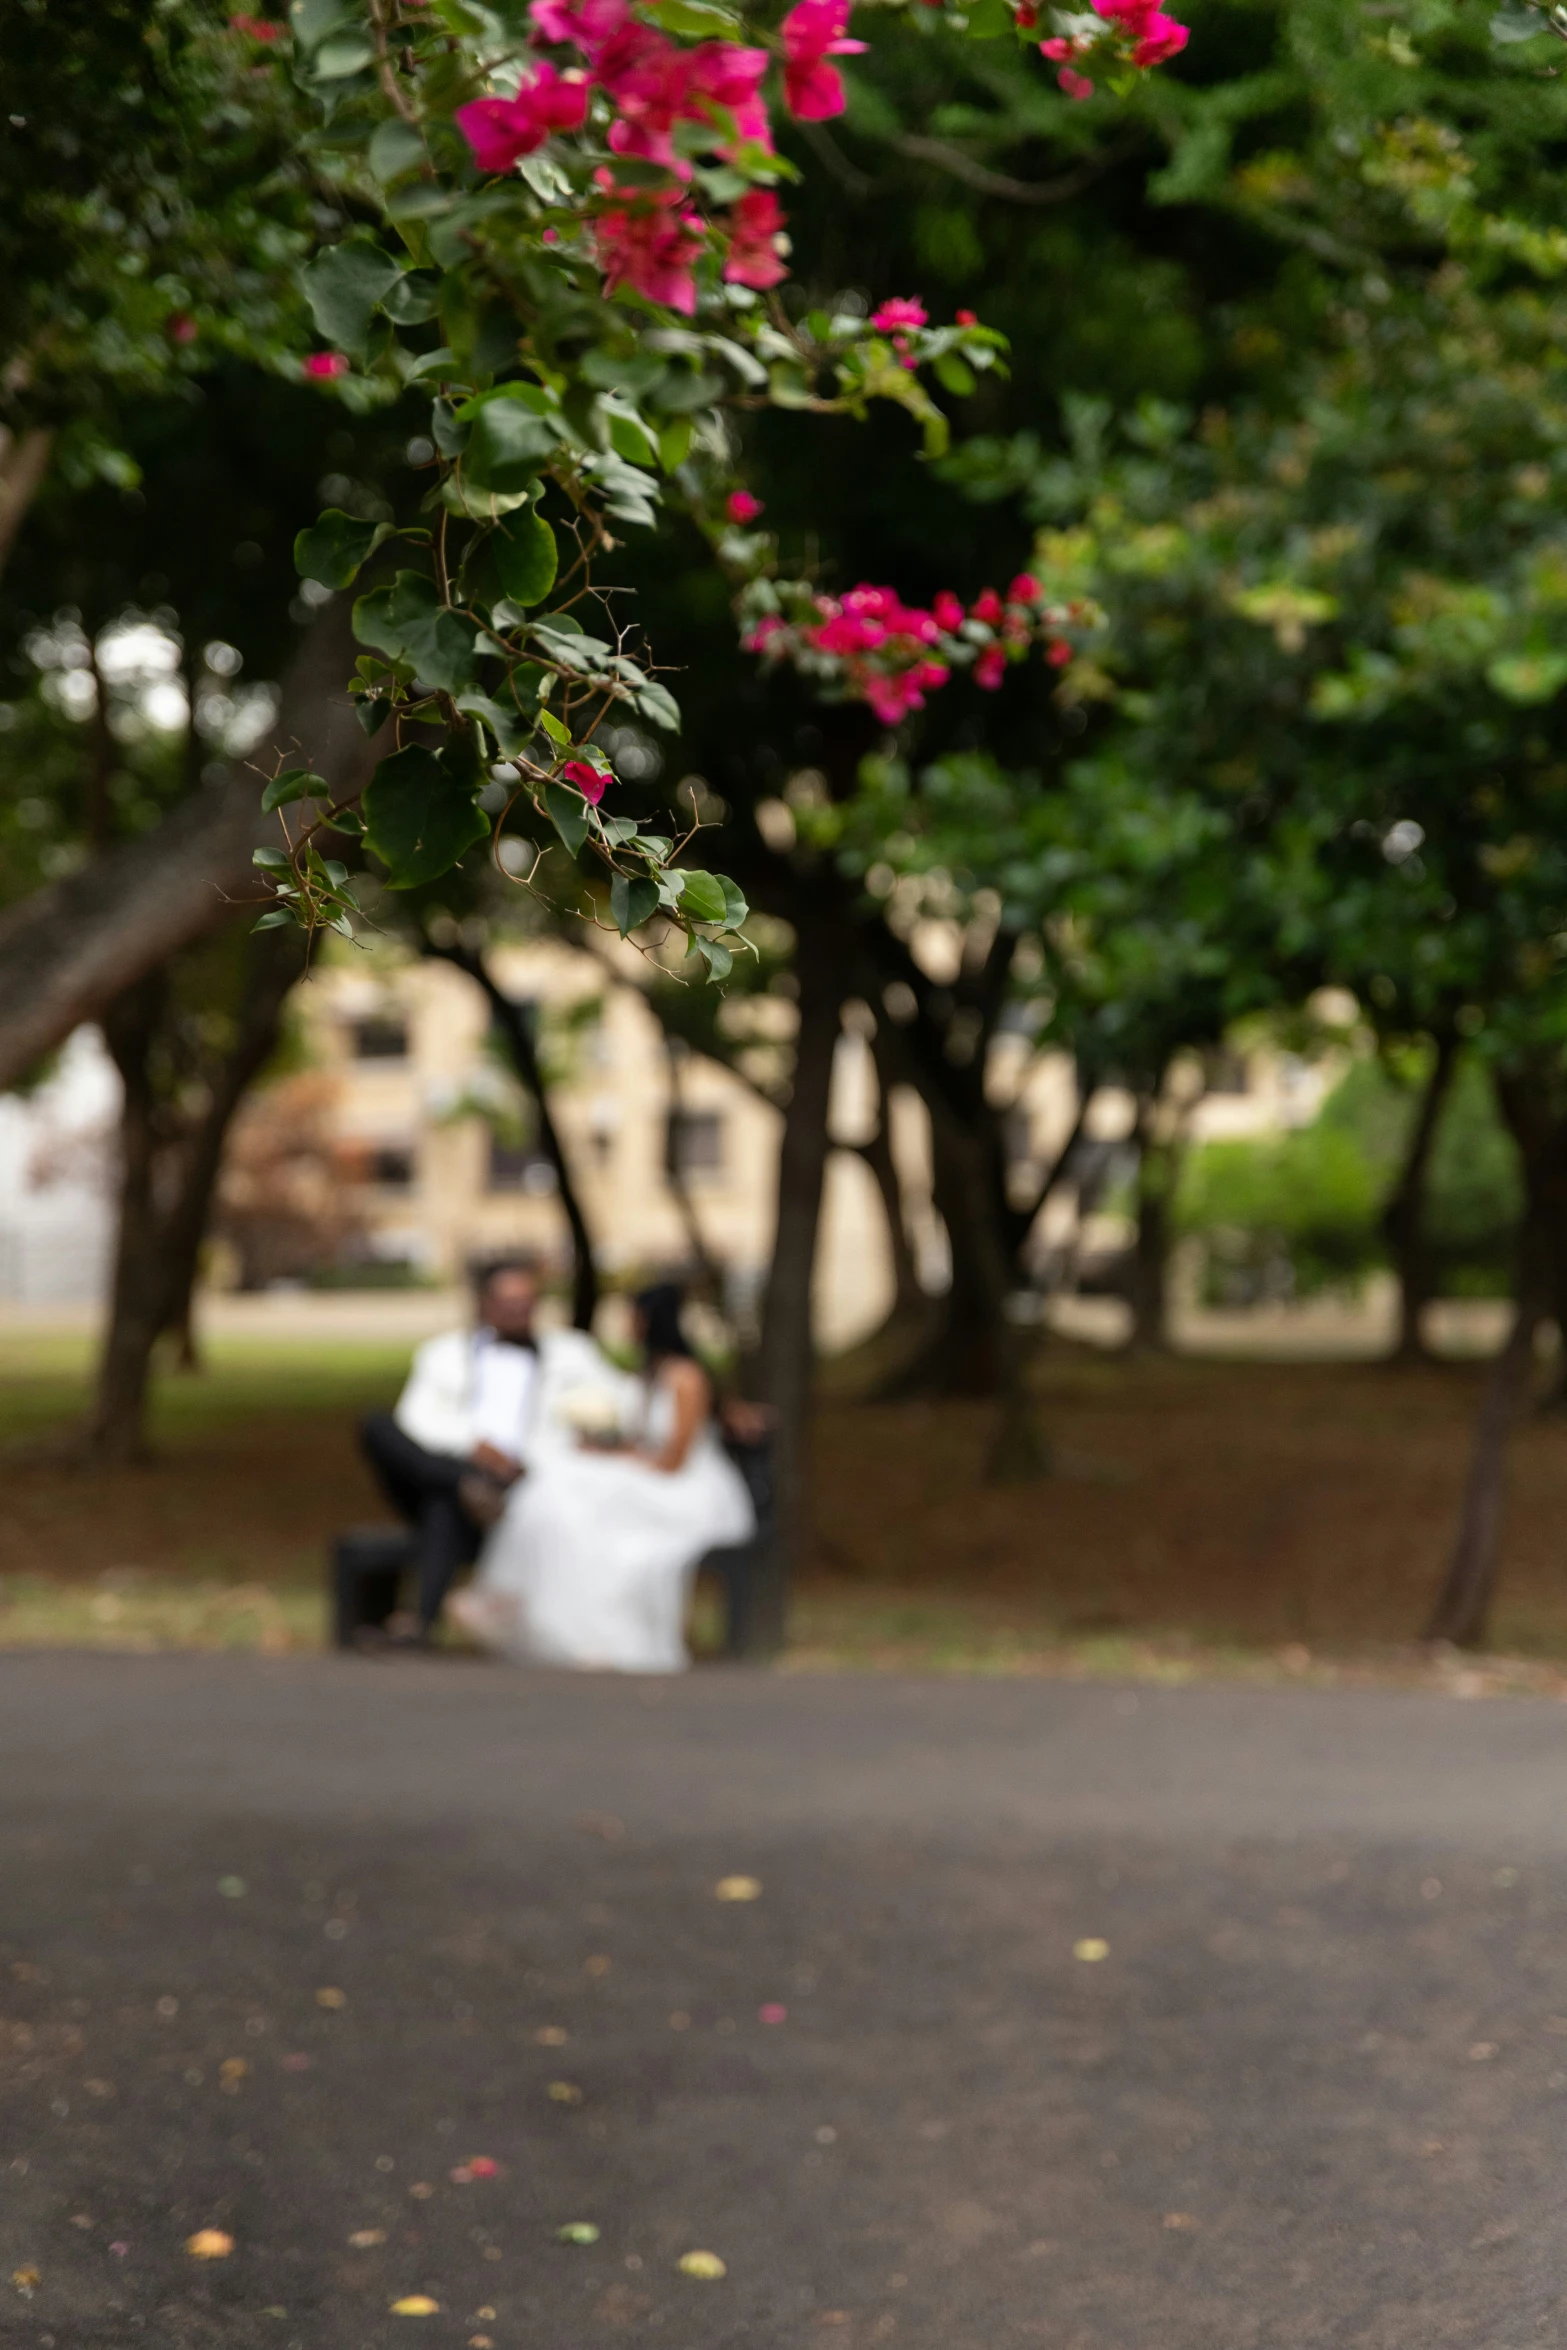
370,1563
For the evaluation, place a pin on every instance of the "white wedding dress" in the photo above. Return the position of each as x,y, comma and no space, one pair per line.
592,1564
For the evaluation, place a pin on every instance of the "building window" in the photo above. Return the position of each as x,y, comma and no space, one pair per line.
518,1166
383,1037
694,1142
392,1169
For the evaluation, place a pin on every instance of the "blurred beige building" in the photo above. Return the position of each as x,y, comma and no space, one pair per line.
433,1143
434,1136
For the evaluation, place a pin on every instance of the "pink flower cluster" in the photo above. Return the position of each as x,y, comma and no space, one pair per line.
894,653
1142,37
813,32
649,239
885,646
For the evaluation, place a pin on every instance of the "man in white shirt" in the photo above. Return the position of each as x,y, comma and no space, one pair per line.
463,1427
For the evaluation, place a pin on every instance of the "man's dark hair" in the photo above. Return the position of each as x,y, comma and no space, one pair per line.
488,1269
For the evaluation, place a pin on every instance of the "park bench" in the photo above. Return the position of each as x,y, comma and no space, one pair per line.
370,1564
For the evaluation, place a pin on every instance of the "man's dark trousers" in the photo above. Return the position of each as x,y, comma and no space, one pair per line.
422,1487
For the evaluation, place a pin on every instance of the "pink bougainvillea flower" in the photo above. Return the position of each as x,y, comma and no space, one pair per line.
1162,39
948,610
756,225
325,365
1058,653
966,317
588,24
813,32
1024,589
1057,50
722,75
501,130
256,28
592,782
741,507
1157,36
900,316
653,251
889,698
990,668
647,77
986,607
180,327
1076,85
484,2166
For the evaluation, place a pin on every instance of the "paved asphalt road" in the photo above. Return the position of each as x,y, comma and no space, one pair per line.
1316,2093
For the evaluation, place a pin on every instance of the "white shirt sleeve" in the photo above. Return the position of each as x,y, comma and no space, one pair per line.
503,1399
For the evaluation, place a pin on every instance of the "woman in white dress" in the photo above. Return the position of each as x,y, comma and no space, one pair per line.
592,1564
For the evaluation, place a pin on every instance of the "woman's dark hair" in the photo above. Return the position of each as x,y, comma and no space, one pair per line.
659,1310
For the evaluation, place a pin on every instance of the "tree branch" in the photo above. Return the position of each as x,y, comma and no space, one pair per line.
986,182
67,950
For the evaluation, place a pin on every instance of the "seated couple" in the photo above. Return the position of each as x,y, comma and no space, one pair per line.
588,1495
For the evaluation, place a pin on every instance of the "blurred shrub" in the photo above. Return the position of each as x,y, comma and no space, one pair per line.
1296,1214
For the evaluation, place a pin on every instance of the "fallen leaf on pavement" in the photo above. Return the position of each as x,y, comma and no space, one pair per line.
481,2342
598,1964
363,2238
483,2166
1483,2051
702,2264
209,2244
416,2305
1178,2219
738,1888
298,2062
550,2036
421,2190
233,1888
577,2231
331,1998
565,2093
1090,1950
25,2279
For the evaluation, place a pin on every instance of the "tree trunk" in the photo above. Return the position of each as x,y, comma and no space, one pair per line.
512,1020
168,1176
1403,1218
1530,1101
1158,1171
24,460
1464,1606
786,1356
68,950
275,963
116,1429
908,1297
708,1271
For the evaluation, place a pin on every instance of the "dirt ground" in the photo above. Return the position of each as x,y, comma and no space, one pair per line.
1228,1506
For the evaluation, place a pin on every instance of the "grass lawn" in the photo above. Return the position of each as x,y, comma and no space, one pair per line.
1261,1520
